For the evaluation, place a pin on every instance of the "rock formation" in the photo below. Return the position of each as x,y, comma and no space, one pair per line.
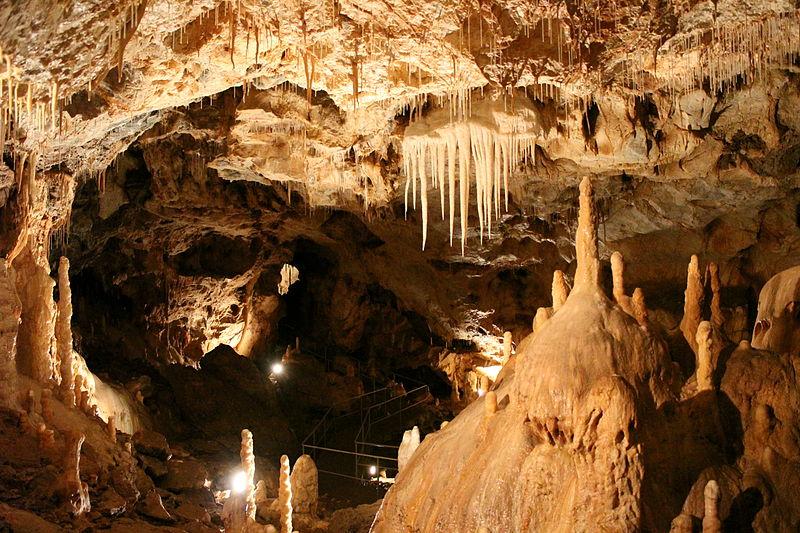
711,521
64,335
305,486
706,362
74,492
565,398
249,469
507,346
777,326
285,496
693,303
408,446
560,290
10,312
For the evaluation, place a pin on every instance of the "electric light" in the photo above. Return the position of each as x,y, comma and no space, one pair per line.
481,392
373,470
277,368
238,482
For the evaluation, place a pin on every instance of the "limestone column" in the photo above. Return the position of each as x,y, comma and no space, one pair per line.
64,334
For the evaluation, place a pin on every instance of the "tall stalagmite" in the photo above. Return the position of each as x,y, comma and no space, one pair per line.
693,303
248,461
64,334
285,496
587,275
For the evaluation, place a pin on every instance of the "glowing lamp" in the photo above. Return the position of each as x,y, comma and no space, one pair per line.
277,368
481,392
238,482
373,470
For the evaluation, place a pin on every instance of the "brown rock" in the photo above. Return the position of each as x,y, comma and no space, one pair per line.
152,506
184,475
151,443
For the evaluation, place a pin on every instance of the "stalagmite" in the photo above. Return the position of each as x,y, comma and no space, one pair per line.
285,496
711,521
111,428
693,303
507,346
305,486
46,437
639,307
587,275
542,315
560,290
716,307
407,448
74,492
618,278
30,402
705,363
248,461
10,313
64,334
47,406
490,403
681,524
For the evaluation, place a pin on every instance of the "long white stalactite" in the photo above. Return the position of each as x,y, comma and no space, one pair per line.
455,150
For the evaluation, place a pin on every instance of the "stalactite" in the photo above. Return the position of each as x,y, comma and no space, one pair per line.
493,156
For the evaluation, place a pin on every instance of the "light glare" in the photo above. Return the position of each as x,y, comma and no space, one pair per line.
238,482
277,368
373,470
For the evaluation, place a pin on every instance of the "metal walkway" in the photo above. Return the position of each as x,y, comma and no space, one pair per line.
368,460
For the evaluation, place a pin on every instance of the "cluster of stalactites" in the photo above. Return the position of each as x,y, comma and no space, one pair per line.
452,157
723,54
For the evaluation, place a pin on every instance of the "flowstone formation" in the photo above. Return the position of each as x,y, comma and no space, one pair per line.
565,452
582,427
